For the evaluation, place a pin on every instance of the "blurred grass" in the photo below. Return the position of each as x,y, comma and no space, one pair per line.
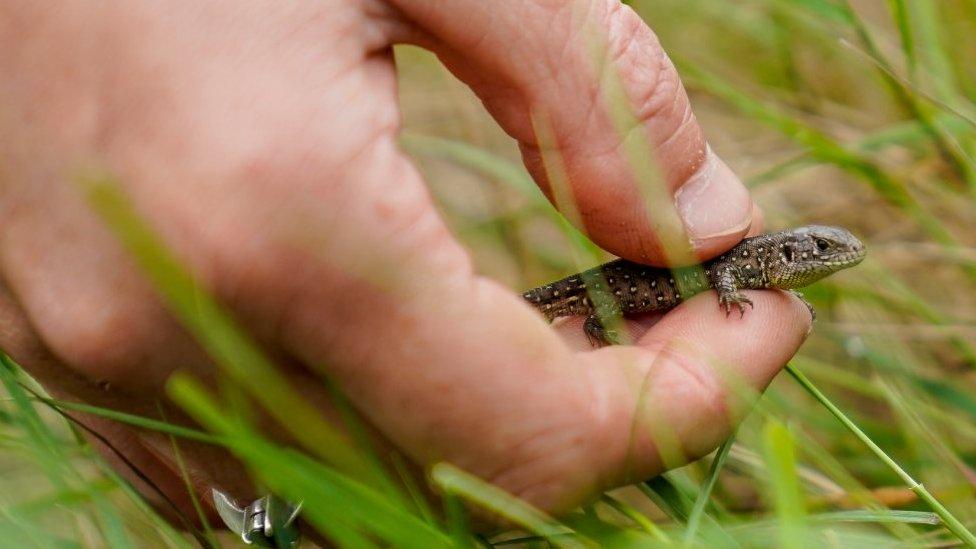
858,114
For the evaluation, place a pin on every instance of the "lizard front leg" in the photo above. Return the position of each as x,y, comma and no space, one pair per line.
813,313
723,278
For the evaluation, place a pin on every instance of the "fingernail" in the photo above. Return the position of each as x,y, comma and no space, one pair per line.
713,203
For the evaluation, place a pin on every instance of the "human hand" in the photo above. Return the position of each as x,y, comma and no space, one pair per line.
260,142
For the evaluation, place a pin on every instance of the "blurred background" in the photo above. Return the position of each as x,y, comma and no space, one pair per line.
860,115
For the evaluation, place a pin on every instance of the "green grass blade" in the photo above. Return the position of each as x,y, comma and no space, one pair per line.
821,147
479,160
457,520
112,525
47,449
666,496
340,507
142,422
641,520
184,474
950,521
494,499
784,486
899,12
950,151
695,517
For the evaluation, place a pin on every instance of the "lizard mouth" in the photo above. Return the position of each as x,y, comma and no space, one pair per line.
847,259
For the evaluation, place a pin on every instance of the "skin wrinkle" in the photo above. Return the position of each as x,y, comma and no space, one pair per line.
572,142
548,78
350,30
390,23
692,361
631,455
701,391
567,55
531,448
112,84
687,122
599,421
344,200
542,484
615,448
671,84
552,78
558,443
470,37
300,324
595,215
479,39
650,111
625,62
648,96
613,153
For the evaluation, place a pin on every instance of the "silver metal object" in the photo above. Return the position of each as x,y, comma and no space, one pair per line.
267,522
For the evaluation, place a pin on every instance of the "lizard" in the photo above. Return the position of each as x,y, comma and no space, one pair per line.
786,260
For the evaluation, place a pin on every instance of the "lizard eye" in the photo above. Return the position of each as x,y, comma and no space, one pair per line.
822,245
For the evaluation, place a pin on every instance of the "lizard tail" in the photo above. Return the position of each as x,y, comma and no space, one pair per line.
564,297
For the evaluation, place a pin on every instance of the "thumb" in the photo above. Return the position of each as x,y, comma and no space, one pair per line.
532,61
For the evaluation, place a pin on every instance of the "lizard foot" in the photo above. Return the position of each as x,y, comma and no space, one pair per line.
737,299
597,334
813,313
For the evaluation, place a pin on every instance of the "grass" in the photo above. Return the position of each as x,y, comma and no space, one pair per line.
857,114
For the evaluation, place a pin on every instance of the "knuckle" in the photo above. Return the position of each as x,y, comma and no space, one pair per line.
368,223
374,206
550,469
700,381
110,341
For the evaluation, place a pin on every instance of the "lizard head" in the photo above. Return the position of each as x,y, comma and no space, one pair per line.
807,254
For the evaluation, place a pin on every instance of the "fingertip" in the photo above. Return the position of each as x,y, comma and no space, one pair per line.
758,221
756,346
680,390
715,209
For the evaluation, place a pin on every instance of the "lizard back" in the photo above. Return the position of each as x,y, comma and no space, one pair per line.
624,286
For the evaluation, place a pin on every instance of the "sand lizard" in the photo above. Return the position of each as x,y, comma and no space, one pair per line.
785,260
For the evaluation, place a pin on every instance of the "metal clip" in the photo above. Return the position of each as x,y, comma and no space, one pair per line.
266,522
